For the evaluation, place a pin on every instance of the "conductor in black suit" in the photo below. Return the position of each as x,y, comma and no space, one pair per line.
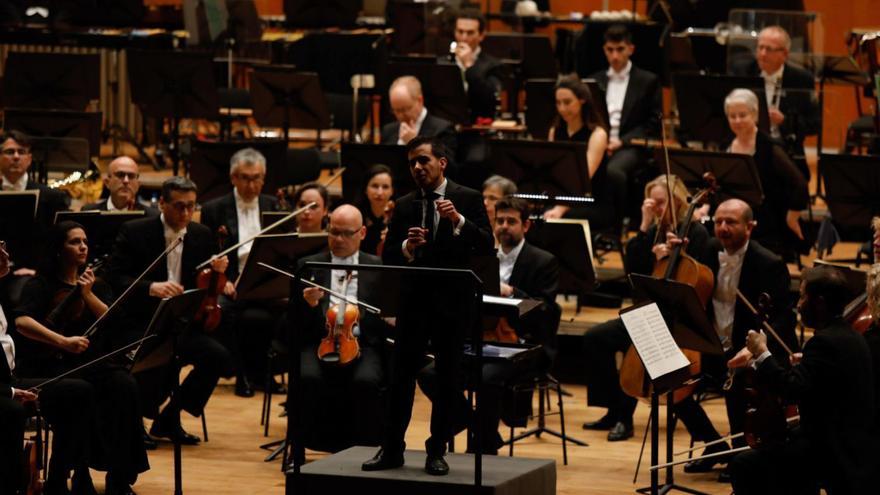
834,446
790,90
412,118
481,71
635,104
440,225
138,243
249,325
123,182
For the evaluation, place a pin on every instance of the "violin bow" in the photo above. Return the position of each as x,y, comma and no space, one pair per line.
371,309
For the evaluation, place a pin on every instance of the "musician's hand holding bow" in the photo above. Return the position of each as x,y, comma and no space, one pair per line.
165,289
75,344
741,360
313,295
23,395
229,289
220,264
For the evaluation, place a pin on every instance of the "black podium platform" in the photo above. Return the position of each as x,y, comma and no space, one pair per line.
341,473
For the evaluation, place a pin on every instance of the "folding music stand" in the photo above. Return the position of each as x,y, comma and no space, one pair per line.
283,97
736,174
852,191
691,329
173,84
442,86
268,218
209,164
57,81
321,13
171,319
531,56
700,101
359,158
569,241
101,226
256,283
558,168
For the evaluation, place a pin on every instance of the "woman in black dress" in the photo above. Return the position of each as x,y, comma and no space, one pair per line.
377,207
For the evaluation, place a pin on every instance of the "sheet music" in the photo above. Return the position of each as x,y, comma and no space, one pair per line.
654,343
504,301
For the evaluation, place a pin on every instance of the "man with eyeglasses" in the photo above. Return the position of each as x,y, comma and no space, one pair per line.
123,182
790,90
342,405
239,212
138,243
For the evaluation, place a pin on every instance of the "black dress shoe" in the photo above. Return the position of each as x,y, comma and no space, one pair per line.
81,484
620,431
604,423
706,465
435,465
149,443
243,387
724,475
173,433
114,486
383,460
276,387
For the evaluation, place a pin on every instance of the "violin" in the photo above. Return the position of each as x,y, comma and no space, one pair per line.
502,332
340,346
67,303
386,217
678,266
210,313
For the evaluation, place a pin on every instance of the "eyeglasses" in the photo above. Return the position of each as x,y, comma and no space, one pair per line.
771,49
348,234
126,175
182,205
250,178
13,151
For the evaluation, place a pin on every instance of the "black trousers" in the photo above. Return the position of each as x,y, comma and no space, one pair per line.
342,406
247,331
774,469
622,167
601,343
12,419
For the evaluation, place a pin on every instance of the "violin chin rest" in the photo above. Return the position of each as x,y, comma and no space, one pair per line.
330,358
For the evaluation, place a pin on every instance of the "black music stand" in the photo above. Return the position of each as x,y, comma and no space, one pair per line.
691,329
558,168
442,86
18,222
268,218
852,191
570,244
359,158
531,56
171,319
283,97
541,105
701,105
736,174
209,164
321,13
394,280
256,283
101,226
173,85
58,81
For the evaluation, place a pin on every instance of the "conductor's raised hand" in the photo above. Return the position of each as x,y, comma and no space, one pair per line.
447,210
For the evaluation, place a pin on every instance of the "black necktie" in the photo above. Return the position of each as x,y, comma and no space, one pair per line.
428,208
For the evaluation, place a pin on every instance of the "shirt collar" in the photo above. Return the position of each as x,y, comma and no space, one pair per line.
441,189
348,260
19,185
513,254
241,203
170,234
736,256
622,74
421,119
776,75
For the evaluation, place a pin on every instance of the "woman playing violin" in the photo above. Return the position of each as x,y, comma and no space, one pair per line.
312,220
114,436
377,207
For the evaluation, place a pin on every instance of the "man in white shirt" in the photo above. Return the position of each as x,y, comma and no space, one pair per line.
411,117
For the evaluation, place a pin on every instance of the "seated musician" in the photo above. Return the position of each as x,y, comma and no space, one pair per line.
15,161
239,212
794,112
138,243
48,329
411,117
785,190
495,188
577,121
872,334
834,445
640,117
526,272
377,207
603,341
123,182
481,71
342,405
314,219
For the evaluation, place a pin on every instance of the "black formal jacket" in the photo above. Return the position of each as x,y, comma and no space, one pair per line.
222,211
801,110
444,250
536,276
312,321
762,271
101,205
642,104
137,244
5,375
483,85
431,127
833,387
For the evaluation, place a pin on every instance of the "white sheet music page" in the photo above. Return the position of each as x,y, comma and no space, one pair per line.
654,343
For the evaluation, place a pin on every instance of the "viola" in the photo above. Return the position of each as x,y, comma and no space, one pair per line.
210,313
340,346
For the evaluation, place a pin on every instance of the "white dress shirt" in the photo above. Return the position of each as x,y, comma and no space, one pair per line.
724,297
337,277
418,125
174,260
771,81
506,261
248,213
6,341
19,185
614,96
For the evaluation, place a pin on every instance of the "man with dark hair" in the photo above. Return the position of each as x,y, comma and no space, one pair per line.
439,225
481,70
138,243
834,446
411,117
635,104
